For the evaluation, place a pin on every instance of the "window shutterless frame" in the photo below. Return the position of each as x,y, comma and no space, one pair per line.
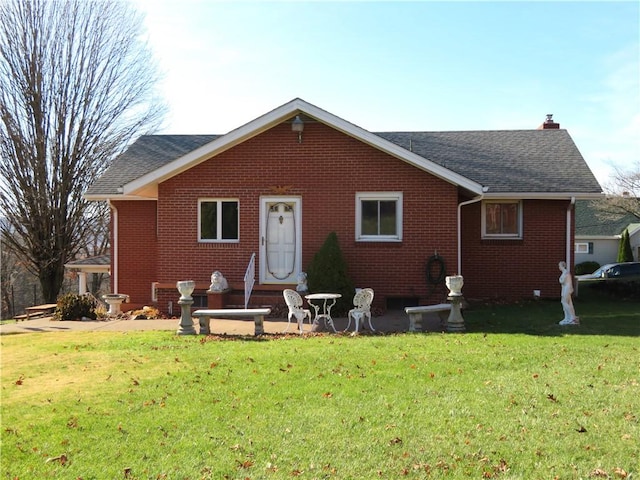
584,247
218,220
502,219
378,217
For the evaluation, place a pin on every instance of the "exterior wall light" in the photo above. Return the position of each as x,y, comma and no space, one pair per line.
298,126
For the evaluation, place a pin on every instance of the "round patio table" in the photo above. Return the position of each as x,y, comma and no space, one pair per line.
325,301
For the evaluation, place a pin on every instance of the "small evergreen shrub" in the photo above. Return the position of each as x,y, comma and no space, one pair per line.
74,307
625,253
327,273
586,267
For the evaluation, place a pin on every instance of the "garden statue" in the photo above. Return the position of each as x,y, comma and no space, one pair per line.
566,282
302,283
218,282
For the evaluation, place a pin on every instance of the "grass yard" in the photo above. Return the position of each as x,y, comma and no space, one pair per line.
517,397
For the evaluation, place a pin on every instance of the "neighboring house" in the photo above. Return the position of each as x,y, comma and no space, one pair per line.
597,239
496,206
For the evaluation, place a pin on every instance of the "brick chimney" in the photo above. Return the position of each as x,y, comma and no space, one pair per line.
549,124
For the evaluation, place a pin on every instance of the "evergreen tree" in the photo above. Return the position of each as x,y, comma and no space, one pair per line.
625,254
327,273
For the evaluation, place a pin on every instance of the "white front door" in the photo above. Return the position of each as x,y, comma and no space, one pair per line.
280,242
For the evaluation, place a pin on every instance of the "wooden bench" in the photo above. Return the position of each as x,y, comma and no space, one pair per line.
38,310
205,316
415,314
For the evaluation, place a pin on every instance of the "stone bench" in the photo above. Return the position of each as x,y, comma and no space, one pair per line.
415,314
205,316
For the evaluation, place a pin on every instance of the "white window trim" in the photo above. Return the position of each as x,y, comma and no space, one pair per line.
219,226
501,236
582,248
397,196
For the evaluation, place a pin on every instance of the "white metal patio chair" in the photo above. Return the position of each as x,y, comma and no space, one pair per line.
294,303
362,308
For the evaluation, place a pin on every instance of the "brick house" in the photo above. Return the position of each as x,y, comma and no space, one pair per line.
494,206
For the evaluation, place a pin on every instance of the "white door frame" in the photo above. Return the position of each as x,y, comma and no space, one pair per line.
264,211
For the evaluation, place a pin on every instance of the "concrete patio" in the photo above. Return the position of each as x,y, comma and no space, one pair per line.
392,321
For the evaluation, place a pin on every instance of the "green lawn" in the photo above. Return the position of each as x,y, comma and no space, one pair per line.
516,397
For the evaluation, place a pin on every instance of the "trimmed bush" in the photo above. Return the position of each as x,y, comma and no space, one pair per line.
327,273
586,267
74,307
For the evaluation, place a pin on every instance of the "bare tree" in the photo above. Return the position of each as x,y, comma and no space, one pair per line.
622,195
76,87
96,239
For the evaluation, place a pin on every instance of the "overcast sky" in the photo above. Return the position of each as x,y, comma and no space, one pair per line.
417,65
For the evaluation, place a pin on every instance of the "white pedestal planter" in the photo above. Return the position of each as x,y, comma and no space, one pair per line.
455,322
186,288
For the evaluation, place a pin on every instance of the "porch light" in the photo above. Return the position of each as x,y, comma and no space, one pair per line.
297,125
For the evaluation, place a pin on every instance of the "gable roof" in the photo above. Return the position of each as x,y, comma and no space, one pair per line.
520,162
589,224
145,155
507,161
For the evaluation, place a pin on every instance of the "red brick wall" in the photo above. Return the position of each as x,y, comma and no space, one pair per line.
137,251
514,268
325,171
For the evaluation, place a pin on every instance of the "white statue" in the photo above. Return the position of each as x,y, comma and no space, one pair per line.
302,283
218,282
566,282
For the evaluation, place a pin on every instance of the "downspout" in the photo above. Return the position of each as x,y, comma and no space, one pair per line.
568,242
114,247
460,205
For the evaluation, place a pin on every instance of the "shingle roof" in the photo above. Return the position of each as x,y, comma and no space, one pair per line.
148,153
100,260
542,161
588,223
505,161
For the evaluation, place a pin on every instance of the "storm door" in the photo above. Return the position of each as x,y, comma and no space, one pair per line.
280,241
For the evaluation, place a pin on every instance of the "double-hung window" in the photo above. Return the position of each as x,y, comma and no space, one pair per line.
218,220
502,219
379,216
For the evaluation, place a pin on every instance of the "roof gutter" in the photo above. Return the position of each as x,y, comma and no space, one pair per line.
114,247
460,205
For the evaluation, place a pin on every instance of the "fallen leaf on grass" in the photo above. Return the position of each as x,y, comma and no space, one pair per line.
60,458
327,395
245,464
395,441
620,473
552,397
19,381
581,429
598,472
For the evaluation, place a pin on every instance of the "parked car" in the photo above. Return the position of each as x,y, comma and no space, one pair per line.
612,271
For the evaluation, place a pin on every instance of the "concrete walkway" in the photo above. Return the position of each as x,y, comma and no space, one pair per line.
392,321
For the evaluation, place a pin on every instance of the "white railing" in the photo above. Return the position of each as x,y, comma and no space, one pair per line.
249,279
